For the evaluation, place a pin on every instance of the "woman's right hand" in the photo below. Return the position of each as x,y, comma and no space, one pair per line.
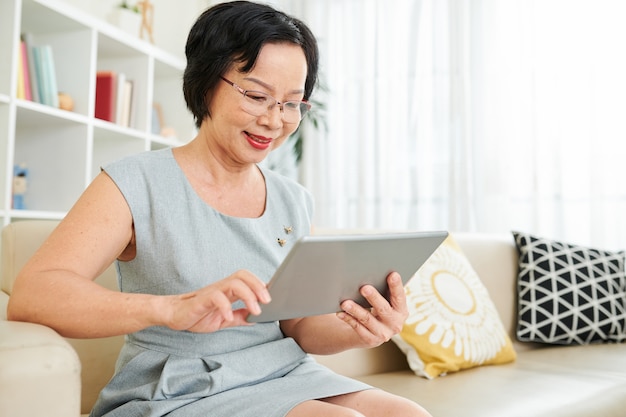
210,308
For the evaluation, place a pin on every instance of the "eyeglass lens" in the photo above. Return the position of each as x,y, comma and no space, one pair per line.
258,103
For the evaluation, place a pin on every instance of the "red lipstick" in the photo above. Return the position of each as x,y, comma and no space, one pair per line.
258,142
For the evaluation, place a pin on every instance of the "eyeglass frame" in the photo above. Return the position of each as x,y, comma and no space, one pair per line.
280,105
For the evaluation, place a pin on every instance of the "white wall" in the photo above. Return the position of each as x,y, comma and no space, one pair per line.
172,18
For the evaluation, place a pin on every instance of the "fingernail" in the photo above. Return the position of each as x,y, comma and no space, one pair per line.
255,309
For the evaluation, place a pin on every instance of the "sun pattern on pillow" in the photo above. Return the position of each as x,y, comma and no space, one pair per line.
452,323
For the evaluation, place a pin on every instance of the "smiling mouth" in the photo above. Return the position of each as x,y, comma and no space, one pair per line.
258,142
259,139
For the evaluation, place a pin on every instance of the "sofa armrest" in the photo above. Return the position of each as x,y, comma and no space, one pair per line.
39,372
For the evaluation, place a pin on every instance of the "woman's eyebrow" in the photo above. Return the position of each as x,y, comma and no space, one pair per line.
269,87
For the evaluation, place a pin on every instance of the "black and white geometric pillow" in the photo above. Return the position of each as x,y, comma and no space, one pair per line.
569,294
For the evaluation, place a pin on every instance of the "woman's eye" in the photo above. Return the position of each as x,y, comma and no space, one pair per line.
292,105
261,98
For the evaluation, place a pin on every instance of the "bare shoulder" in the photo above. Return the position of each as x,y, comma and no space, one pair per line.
96,230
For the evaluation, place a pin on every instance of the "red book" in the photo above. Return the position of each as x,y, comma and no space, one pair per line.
106,87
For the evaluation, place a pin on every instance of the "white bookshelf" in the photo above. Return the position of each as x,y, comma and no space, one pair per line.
64,150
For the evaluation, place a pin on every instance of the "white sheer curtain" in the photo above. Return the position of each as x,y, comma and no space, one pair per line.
482,115
364,172
549,105
397,148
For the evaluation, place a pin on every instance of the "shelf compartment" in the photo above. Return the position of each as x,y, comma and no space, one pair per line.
168,95
53,150
71,43
117,56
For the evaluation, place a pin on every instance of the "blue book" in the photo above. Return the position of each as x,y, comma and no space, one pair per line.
39,74
51,90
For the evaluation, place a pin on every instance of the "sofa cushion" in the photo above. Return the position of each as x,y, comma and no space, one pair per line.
526,387
569,294
452,323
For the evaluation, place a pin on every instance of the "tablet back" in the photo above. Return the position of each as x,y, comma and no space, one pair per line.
322,271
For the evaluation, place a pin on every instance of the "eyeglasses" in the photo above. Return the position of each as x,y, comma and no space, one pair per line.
258,103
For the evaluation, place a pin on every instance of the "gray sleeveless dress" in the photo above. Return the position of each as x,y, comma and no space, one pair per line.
183,244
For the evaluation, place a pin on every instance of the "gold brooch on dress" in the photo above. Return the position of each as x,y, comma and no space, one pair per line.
287,230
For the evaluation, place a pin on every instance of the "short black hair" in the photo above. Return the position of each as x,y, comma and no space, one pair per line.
235,32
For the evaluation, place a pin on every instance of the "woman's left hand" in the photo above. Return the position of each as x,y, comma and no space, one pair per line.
375,326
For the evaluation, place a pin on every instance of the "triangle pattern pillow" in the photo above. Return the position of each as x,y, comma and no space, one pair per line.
569,294
452,324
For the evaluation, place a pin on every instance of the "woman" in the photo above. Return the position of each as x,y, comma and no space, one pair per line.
195,233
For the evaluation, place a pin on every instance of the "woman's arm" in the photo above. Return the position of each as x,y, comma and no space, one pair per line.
56,287
355,326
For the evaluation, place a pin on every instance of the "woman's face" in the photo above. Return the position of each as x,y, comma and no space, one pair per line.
280,71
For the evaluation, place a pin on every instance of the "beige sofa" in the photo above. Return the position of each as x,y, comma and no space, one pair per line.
40,372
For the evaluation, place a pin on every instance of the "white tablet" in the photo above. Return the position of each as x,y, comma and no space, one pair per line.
320,272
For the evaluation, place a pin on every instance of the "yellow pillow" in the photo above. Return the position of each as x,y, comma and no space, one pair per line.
452,323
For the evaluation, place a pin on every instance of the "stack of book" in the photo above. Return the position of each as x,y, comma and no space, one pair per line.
114,98
36,77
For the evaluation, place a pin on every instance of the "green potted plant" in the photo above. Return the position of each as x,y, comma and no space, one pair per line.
126,5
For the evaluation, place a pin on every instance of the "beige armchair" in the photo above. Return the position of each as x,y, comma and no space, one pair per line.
42,373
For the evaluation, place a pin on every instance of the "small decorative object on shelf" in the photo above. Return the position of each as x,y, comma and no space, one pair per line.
158,123
20,185
147,18
66,102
